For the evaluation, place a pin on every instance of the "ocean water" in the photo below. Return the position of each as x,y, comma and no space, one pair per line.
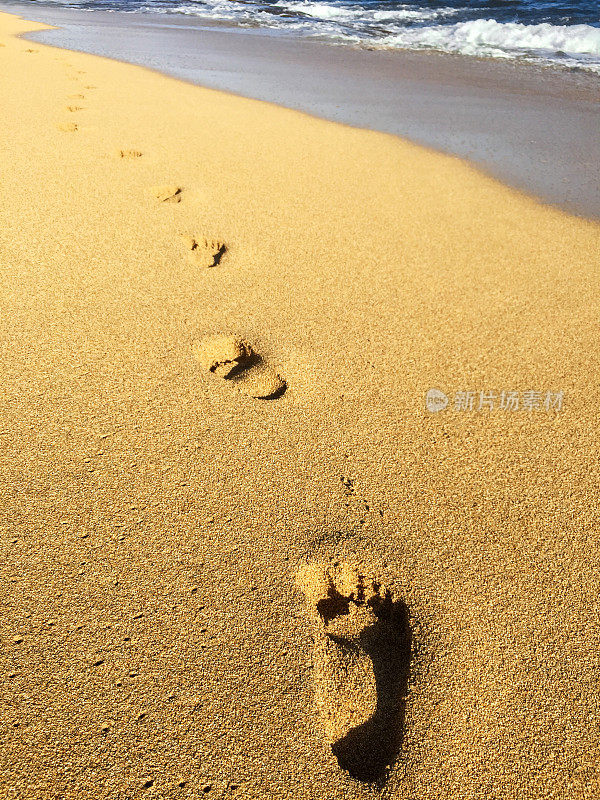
558,32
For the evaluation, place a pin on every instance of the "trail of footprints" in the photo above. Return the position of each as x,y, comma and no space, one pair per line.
226,356
72,107
360,628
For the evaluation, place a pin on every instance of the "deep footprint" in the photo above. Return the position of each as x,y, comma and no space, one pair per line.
361,669
204,252
234,360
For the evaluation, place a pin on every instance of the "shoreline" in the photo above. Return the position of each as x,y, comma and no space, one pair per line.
221,320
533,128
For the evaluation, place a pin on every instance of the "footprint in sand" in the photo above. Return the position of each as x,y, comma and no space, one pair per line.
234,360
76,97
167,194
129,154
361,666
74,108
30,51
204,252
68,127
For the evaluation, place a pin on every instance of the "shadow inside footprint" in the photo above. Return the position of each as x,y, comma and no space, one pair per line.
238,368
368,749
205,252
219,255
234,360
256,380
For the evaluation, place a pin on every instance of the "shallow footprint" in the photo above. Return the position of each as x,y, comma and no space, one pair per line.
167,194
204,252
129,154
234,360
361,666
67,127
74,108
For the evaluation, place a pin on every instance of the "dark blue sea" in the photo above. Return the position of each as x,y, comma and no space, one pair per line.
564,32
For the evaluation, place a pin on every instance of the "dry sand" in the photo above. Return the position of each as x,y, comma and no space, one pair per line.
179,558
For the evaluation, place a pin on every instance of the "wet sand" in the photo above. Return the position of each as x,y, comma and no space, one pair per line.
533,128
239,555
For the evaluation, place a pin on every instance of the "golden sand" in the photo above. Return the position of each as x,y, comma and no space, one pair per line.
155,519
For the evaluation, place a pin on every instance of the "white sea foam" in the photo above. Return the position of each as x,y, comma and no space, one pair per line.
569,44
311,16
357,13
405,26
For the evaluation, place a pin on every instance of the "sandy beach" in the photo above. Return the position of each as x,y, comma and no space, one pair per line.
532,127
242,555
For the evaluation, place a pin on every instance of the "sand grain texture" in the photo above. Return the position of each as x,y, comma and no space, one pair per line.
153,523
